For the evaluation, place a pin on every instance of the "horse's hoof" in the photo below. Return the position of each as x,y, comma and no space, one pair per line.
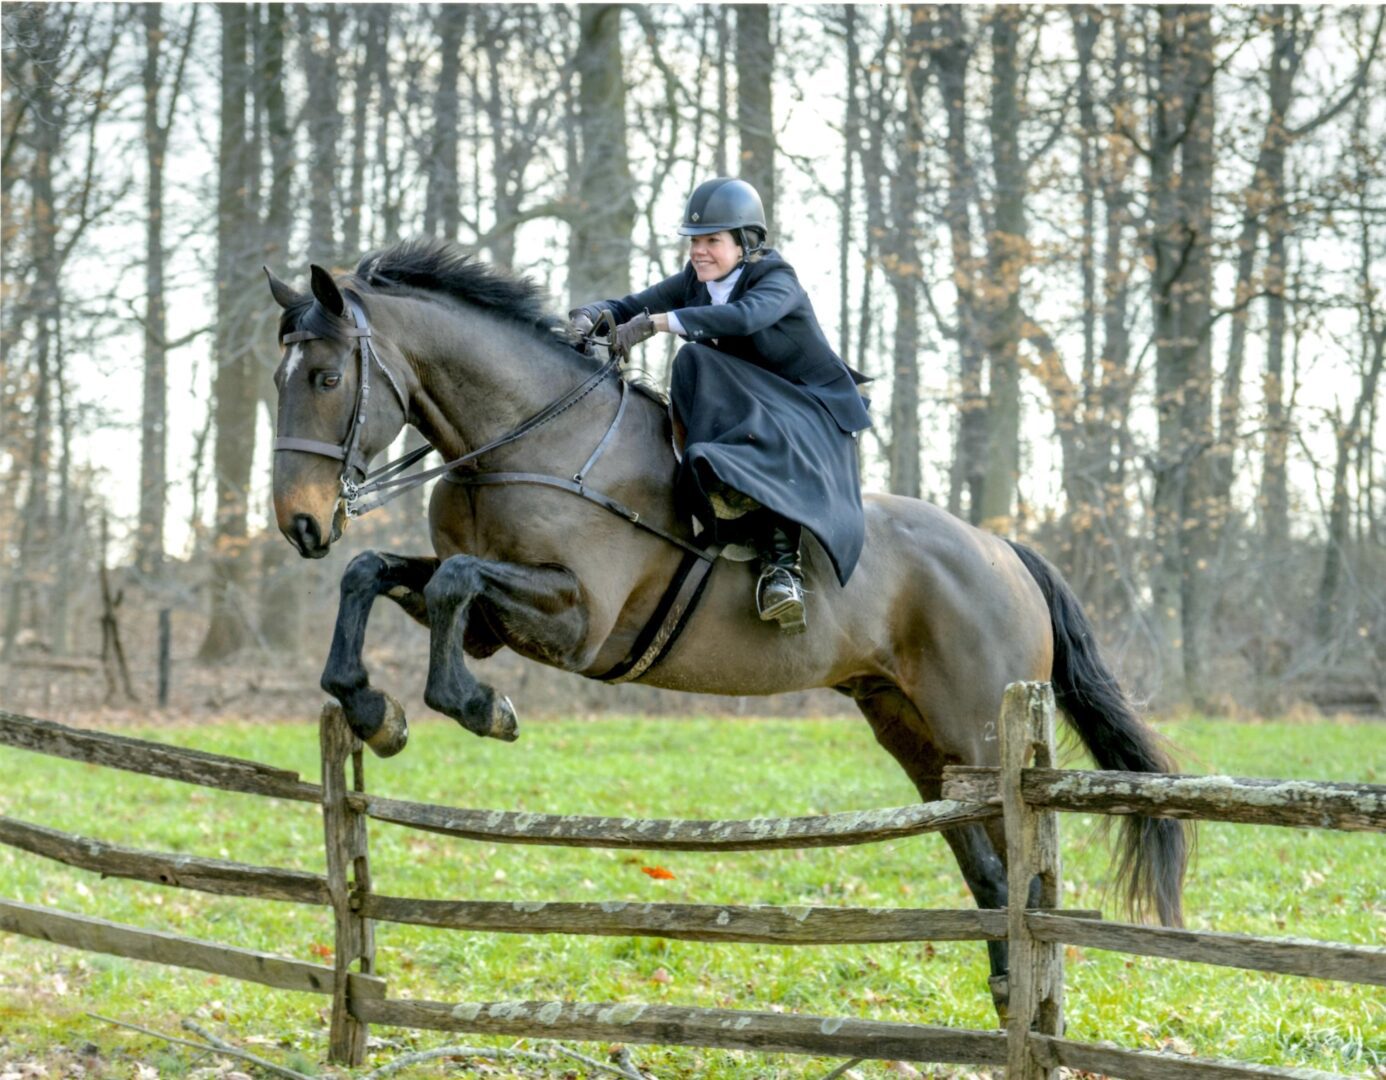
1001,996
393,733
504,725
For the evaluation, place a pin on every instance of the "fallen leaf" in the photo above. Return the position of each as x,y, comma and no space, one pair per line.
320,950
658,873
661,976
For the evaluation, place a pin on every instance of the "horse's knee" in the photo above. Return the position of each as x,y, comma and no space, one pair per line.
363,573
455,579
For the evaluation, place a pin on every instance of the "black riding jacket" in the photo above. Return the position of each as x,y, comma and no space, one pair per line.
768,321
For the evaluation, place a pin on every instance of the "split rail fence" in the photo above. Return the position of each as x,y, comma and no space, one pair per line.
1027,790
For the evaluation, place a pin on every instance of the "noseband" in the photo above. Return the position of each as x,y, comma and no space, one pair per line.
348,451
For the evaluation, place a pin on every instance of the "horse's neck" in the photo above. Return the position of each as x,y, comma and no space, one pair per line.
477,376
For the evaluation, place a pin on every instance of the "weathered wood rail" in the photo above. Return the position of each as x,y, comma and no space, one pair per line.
1025,790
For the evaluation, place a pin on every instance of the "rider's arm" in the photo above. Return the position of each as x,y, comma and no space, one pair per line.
765,303
662,296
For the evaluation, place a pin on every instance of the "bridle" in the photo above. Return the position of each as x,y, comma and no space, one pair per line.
368,491
348,451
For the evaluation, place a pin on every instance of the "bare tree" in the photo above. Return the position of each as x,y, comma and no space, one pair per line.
234,387
603,216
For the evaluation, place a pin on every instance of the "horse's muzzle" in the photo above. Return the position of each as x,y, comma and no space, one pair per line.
305,535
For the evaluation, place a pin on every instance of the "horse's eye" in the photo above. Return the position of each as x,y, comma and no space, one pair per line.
331,380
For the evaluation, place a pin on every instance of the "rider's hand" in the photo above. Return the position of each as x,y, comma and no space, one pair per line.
631,334
582,319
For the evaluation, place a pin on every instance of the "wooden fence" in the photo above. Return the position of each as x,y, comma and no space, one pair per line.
1026,790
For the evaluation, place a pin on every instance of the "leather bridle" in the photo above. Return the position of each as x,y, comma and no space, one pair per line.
348,451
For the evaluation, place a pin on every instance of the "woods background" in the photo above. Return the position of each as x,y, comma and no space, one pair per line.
1117,273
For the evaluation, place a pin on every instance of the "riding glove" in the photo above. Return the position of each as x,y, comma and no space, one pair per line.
582,319
631,334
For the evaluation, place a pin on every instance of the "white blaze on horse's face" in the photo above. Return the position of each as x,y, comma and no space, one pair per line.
315,402
292,361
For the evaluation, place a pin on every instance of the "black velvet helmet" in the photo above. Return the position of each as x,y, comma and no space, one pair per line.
724,204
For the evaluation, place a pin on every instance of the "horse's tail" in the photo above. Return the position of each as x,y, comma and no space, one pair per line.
1153,851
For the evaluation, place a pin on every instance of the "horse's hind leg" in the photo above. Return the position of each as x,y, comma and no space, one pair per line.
535,609
375,717
899,728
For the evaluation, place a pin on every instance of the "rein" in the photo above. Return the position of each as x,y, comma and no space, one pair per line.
387,483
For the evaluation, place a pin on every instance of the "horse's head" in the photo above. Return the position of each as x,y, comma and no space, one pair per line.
327,429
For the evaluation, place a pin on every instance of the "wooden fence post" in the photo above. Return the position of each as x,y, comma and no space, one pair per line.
348,880
1032,845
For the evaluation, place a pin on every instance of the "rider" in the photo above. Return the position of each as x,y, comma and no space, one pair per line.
767,410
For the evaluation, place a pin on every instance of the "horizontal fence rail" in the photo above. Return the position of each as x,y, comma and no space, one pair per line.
758,923
117,939
754,834
219,876
153,759
1242,800
726,1029
1285,956
1155,1065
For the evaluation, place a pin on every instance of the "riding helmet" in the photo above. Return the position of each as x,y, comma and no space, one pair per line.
725,204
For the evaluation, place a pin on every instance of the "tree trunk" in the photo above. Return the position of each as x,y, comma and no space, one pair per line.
604,218
442,213
35,536
1181,201
755,119
951,52
360,107
902,264
322,118
1200,528
1007,256
149,546
233,389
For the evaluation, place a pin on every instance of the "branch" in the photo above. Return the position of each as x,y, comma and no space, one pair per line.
1358,81
218,1047
167,125
452,1051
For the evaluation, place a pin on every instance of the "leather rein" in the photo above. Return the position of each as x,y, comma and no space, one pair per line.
375,488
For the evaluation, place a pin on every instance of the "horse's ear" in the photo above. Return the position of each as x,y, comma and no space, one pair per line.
327,293
284,294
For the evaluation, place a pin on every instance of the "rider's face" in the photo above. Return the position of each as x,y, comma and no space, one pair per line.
714,256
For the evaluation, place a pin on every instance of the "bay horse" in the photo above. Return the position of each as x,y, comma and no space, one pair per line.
937,619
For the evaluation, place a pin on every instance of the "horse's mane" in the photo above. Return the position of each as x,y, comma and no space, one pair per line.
441,266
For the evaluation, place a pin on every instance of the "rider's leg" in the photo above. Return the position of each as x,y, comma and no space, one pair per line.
375,717
536,610
780,590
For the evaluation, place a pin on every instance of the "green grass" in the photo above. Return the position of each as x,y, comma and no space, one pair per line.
1259,880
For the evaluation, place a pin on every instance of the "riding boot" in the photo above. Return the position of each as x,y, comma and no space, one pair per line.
780,590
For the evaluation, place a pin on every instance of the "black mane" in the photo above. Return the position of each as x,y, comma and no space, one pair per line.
440,266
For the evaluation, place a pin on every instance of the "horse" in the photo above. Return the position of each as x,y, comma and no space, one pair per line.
938,618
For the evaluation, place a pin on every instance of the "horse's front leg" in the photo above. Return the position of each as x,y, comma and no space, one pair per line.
375,717
535,609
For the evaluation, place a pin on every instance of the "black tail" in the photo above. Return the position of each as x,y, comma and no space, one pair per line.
1154,851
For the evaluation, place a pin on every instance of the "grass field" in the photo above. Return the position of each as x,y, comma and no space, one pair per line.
1258,880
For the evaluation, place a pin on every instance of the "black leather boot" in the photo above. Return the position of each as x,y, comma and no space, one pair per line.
780,590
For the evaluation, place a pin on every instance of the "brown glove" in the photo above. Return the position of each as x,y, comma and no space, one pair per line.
631,334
